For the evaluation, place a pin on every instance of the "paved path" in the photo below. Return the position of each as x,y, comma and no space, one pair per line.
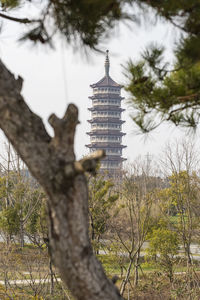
27,281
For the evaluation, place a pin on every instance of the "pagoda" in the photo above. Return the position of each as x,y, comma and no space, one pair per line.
106,124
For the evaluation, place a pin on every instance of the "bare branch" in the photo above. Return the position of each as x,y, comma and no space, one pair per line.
19,20
89,163
64,130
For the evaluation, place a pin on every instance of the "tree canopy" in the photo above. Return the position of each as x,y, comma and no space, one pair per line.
161,90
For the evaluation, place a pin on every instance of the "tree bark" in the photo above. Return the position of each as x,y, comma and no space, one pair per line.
136,271
21,234
52,163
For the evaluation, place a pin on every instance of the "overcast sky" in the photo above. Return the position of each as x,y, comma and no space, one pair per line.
54,78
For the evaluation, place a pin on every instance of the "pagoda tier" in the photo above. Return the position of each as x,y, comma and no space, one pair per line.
106,108
107,96
106,123
106,132
106,120
105,145
115,158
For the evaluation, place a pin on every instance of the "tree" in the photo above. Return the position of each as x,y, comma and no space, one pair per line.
183,194
163,242
101,201
69,18
132,223
181,198
161,90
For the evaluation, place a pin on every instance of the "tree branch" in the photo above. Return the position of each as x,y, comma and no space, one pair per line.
19,20
64,130
89,163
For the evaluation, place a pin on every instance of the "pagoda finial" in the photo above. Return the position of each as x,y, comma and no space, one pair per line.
107,64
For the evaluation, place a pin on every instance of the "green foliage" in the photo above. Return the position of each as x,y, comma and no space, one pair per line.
10,220
164,243
158,91
179,205
23,207
85,21
9,3
101,200
37,222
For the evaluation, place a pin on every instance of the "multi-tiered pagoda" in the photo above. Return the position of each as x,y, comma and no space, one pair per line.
106,123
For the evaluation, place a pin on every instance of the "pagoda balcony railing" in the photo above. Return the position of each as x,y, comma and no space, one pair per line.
115,157
106,96
110,167
113,154
106,103
103,145
106,115
105,141
100,132
106,128
106,92
106,119
107,108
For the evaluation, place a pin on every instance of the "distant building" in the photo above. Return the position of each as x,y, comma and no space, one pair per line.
106,124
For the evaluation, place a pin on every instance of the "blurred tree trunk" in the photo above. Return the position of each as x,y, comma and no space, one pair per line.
52,163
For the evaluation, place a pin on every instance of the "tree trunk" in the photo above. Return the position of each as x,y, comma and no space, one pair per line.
51,160
51,277
136,272
21,234
125,281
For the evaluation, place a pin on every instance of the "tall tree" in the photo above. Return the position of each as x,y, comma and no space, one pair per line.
102,198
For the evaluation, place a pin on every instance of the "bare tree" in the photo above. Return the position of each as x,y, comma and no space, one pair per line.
132,223
181,162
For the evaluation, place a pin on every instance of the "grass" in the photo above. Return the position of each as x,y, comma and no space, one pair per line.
17,261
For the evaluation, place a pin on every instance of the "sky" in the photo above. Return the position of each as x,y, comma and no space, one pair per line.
55,78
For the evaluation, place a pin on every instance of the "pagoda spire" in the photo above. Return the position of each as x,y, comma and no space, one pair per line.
107,64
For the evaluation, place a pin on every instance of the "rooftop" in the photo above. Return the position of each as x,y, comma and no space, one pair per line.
106,80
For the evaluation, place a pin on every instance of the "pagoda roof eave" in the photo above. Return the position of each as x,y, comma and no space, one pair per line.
106,96
106,81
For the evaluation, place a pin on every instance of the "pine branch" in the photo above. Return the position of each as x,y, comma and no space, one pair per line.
19,20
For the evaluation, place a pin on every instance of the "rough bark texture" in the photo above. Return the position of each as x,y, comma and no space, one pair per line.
52,163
